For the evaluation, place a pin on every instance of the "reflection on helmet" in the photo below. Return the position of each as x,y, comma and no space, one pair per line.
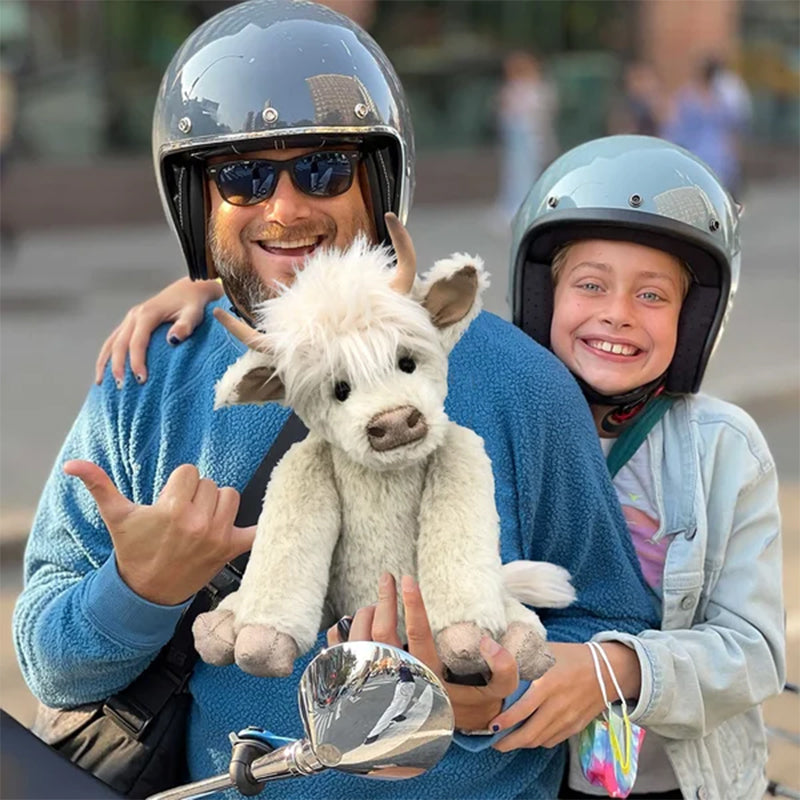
644,190
277,73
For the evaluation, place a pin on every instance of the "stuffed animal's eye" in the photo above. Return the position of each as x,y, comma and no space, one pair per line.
407,364
342,391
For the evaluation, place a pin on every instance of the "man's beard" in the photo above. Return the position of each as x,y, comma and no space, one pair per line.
242,283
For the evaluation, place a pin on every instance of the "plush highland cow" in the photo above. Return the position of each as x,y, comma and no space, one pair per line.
384,481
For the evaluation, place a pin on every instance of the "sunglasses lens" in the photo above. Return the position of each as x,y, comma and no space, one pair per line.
324,174
246,182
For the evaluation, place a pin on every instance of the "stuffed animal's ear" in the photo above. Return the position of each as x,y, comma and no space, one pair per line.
251,379
451,294
449,300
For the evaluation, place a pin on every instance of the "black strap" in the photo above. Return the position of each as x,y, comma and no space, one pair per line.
252,498
135,707
253,494
631,438
138,704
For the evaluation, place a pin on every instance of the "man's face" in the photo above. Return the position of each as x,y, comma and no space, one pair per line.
615,313
256,247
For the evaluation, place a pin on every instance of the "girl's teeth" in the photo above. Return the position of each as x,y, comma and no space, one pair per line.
617,349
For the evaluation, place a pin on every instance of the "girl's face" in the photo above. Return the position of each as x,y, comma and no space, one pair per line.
615,313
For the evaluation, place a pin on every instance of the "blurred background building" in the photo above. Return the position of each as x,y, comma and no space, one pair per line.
85,75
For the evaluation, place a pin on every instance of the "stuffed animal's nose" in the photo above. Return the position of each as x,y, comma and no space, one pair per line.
396,428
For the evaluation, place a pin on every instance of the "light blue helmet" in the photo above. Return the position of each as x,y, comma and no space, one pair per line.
639,189
277,73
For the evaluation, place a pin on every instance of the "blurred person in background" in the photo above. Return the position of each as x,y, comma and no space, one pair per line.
733,90
138,512
8,131
709,117
527,105
734,94
640,108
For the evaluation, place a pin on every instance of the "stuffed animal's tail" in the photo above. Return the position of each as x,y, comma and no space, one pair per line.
538,584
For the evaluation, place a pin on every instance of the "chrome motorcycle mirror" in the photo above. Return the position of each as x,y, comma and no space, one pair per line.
372,709
368,709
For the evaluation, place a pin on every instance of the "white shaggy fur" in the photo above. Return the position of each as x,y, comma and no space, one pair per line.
343,506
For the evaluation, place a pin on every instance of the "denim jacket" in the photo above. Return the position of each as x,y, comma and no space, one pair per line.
721,648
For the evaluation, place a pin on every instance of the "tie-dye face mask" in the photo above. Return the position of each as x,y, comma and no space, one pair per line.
609,745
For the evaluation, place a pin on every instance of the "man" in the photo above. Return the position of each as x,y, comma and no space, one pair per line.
396,711
280,127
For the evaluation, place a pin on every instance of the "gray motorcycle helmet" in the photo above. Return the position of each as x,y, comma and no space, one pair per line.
277,73
640,189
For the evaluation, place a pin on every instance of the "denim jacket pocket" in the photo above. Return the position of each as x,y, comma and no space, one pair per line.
743,755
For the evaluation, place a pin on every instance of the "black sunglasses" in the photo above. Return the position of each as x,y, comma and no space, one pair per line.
324,173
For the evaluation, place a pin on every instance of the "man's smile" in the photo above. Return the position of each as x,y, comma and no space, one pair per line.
292,248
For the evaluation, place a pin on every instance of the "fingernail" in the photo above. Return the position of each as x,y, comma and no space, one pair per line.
343,626
385,580
408,583
495,727
118,381
140,378
174,340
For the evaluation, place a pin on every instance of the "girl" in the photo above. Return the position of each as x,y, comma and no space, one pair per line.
626,260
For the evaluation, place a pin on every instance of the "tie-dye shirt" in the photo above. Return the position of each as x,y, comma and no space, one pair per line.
636,495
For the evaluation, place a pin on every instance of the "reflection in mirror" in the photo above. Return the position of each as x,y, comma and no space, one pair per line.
368,709
372,709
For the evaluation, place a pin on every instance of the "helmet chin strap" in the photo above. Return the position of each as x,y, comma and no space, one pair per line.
624,407
237,309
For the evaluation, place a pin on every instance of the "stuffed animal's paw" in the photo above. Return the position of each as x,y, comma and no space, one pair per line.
257,649
214,637
261,650
458,646
529,648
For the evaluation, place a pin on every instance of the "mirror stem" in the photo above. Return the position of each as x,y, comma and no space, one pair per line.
290,761
196,789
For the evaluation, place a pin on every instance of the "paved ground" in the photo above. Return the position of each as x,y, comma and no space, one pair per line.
67,290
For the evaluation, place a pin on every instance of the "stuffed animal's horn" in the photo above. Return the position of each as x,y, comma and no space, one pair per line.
406,257
241,330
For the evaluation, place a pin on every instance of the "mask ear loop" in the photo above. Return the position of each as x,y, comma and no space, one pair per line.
624,760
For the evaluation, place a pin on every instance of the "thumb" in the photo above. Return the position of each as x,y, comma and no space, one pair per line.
242,539
505,674
112,505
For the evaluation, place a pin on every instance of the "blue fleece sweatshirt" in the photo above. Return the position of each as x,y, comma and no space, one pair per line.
81,634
